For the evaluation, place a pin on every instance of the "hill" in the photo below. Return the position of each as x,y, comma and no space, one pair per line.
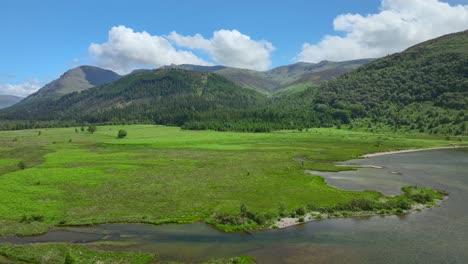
423,88
76,80
9,100
281,77
163,96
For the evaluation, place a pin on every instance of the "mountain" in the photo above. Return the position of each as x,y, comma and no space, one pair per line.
192,67
8,100
76,80
281,77
423,88
164,96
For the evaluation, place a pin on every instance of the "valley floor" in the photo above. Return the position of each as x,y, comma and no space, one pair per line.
157,174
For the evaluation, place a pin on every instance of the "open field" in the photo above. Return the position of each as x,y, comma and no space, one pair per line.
164,174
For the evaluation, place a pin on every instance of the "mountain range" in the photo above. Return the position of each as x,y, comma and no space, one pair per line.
423,88
8,100
281,77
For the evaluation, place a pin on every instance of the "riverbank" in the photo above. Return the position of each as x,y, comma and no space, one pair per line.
316,216
376,154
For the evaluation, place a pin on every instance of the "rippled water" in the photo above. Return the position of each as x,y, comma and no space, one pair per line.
436,235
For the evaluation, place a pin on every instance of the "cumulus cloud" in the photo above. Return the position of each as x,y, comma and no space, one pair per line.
399,25
23,89
231,48
126,50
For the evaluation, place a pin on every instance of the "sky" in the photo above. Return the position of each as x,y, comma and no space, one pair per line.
43,39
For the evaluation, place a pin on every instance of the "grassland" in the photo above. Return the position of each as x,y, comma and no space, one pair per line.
55,253
163,174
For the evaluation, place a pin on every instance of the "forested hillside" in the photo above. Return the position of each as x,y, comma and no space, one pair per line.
424,88
164,96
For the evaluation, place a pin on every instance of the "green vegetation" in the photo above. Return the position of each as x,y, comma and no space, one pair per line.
67,254
280,78
92,129
122,133
168,175
412,196
59,253
423,89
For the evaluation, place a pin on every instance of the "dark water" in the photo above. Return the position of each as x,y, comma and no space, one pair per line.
436,235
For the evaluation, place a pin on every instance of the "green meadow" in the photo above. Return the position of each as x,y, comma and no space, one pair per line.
158,174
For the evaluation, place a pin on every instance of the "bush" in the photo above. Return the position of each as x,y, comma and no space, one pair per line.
92,129
22,165
122,133
260,219
301,211
282,210
32,218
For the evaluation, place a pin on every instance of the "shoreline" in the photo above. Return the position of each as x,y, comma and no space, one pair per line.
376,154
286,222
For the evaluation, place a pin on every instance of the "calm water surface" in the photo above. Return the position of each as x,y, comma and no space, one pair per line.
436,235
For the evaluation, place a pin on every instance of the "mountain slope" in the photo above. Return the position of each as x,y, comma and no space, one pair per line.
75,80
424,88
164,96
9,100
281,77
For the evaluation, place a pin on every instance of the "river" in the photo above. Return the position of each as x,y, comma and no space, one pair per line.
436,235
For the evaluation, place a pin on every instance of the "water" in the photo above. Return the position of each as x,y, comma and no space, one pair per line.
436,235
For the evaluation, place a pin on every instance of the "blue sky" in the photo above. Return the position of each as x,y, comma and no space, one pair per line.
42,39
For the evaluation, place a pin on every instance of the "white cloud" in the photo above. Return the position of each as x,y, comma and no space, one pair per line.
126,50
230,48
399,25
23,89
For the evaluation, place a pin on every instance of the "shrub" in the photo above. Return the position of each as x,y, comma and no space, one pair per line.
282,210
260,219
92,129
301,211
122,133
312,207
244,210
22,165
32,218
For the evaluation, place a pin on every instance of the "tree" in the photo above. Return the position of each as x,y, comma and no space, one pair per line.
122,133
92,129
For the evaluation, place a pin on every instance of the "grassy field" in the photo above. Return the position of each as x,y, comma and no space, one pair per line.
163,174
58,253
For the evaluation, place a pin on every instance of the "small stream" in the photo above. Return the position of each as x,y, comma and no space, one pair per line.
436,235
